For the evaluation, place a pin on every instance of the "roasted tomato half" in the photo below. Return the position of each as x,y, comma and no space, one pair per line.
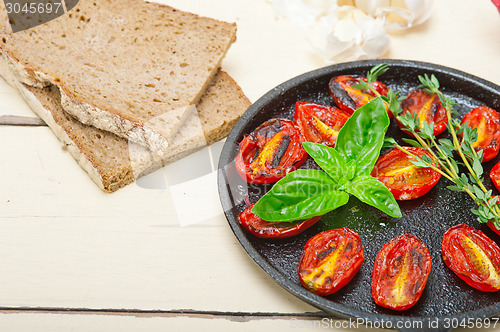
473,256
273,230
318,123
270,152
495,178
350,99
403,179
491,225
330,260
495,175
400,272
427,107
487,122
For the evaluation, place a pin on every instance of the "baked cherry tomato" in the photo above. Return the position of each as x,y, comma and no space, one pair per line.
403,179
400,272
427,107
270,152
473,256
330,260
487,122
350,99
318,123
491,225
495,175
495,178
273,230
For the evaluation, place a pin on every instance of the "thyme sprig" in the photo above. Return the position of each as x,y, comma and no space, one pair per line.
442,150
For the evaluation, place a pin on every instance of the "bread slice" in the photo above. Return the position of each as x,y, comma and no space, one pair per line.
110,160
130,67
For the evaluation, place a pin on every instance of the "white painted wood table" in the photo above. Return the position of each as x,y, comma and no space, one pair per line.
73,258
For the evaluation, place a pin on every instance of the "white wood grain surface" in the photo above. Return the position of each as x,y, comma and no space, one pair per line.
65,246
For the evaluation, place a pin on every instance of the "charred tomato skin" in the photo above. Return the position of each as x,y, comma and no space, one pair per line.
427,107
473,256
400,272
273,230
404,180
330,260
349,99
487,122
270,152
318,123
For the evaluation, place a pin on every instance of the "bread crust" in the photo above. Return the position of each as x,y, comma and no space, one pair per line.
111,169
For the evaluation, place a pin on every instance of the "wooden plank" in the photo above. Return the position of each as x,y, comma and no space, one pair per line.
12,103
145,263
67,244
41,321
97,322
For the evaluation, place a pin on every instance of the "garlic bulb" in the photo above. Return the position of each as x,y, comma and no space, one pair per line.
301,13
370,6
399,14
352,29
351,34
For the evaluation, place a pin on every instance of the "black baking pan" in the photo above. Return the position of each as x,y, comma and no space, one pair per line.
447,301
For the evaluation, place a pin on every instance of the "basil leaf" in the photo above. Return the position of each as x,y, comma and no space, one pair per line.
362,136
371,191
302,194
327,158
350,170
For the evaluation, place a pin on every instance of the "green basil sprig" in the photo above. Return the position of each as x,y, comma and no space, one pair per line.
307,193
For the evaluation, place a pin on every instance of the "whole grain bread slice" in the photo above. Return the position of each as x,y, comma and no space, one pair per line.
130,67
111,161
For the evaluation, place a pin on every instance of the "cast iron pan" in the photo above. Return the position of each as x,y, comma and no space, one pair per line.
446,300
